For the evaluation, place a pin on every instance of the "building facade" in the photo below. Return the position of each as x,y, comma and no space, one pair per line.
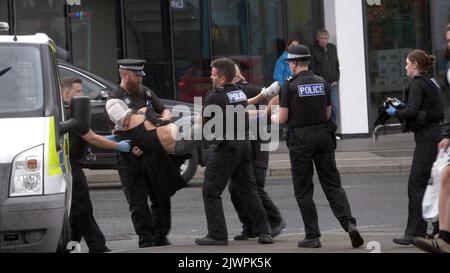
179,38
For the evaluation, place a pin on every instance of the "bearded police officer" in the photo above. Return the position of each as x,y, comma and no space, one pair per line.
305,106
135,181
230,160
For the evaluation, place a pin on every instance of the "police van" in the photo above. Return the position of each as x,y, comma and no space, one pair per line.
35,177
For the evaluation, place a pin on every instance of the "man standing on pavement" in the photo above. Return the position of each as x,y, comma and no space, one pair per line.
82,221
305,107
152,229
231,159
325,63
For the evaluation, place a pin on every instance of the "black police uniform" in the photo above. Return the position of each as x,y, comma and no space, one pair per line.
151,228
231,160
424,110
260,165
310,139
82,222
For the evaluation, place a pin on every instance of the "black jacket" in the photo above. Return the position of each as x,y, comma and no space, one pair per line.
423,104
325,63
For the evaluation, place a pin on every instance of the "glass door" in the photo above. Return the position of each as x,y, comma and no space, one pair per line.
94,37
393,29
148,33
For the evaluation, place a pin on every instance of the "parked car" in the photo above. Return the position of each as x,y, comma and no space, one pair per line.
196,81
97,88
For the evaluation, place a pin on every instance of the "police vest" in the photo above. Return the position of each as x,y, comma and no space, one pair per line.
307,96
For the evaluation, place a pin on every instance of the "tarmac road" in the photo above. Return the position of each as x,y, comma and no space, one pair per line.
378,201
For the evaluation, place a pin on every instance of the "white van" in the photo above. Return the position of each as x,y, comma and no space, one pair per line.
35,178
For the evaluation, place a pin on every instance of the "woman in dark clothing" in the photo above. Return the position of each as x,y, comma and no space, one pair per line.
422,113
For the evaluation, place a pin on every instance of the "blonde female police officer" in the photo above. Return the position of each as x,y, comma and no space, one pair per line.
305,106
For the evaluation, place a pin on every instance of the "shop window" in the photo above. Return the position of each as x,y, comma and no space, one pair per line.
3,10
148,36
93,27
192,54
394,28
34,16
267,41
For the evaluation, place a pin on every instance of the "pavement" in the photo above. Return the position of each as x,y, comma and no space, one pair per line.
391,153
332,242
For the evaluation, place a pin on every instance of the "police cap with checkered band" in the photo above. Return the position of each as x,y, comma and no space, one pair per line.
299,53
134,65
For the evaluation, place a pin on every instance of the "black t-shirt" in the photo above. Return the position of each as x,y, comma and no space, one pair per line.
307,97
229,95
77,146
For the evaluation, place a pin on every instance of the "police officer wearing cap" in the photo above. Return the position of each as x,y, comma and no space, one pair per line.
305,106
230,160
152,226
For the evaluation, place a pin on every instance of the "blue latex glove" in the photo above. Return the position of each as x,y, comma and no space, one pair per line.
391,111
111,138
124,146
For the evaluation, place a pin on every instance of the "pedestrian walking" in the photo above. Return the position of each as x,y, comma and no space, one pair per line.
152,226
230,160
305,107
325,63
422,113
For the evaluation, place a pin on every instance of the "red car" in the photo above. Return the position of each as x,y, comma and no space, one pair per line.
196,81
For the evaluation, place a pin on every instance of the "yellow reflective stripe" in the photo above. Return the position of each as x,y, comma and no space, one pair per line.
53,156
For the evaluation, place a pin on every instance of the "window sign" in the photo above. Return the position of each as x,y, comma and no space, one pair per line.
177,4
73,2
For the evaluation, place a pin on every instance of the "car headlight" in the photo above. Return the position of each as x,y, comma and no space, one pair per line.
26,175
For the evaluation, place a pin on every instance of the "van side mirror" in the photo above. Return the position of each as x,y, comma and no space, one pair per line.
80,116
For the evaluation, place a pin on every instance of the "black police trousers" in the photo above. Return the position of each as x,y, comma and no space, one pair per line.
260,164
315,144
150,225
82,222
425,155
231,160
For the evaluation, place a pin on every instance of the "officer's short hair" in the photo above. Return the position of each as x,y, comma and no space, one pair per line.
225,67
67,82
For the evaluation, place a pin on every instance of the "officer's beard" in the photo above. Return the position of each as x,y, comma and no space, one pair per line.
133,87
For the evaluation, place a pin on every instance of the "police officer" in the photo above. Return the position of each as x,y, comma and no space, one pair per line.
422,113
230,160
136,183
305,106
260,164
82,222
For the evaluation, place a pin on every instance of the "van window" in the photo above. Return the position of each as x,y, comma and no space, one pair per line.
21,83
